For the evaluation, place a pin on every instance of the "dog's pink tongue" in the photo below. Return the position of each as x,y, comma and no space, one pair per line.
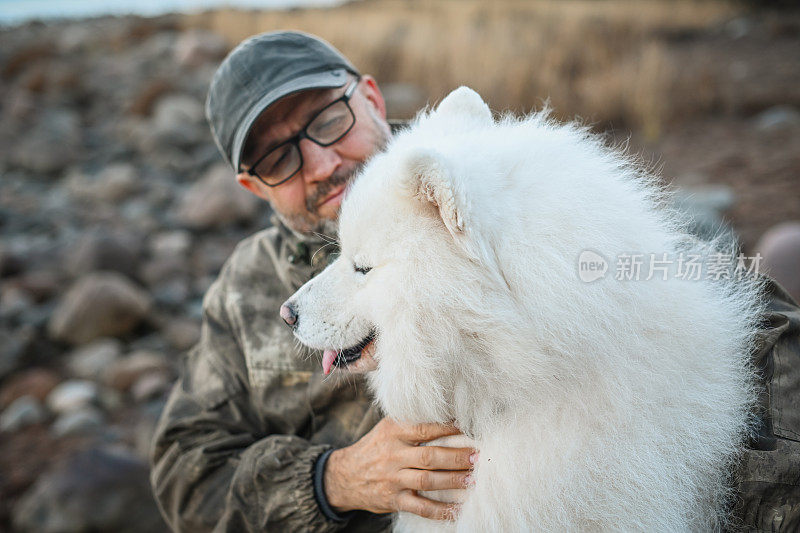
328,358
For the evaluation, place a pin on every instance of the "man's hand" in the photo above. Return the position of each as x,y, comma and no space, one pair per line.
382,472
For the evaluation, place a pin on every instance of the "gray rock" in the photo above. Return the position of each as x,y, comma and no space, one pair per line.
13,345
170,243
778,118
75,37
158,45
110,399
138,213
155,271
100,304
37,316
35,382
210,254
41,284
217,201
94,490
173,292
51,145
177,121
104,250
202,283
72,395
125,372
153,343
780,251
20,105
114,183
27,251
24,411
84,420
91,360
182,333
150,386
13,301
738,27
195,47
146,426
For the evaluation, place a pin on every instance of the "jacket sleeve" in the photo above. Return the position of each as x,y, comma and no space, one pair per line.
768,479
217,465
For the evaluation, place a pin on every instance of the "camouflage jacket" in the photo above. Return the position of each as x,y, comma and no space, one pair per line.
237,441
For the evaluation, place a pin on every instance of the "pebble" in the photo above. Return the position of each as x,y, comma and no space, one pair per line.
150,386
78,422
193,48
99,304
171,243
216,201
35,382
92,359
72,395
780,251
98,489
24,411
778,118
125,372
182,333
104,250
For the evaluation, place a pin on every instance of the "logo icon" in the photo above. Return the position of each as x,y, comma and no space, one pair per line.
591,266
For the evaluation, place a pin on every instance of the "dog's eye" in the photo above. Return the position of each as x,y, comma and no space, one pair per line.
361,270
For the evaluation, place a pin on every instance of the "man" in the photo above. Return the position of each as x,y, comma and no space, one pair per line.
247,438
253,436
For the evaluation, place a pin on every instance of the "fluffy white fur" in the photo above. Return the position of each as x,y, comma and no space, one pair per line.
612,405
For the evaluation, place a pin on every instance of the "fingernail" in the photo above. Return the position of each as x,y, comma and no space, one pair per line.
473,458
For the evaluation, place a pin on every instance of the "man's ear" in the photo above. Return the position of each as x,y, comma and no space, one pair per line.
373,94
252,184
430,180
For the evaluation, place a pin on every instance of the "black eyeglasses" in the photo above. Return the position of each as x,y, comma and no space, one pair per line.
327,127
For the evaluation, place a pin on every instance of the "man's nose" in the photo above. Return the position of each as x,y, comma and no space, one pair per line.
288,314
319,162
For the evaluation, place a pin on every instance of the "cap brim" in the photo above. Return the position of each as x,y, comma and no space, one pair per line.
318,80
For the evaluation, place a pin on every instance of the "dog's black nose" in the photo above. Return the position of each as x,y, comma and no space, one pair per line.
288,314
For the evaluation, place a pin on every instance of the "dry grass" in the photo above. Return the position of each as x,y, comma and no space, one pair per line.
604,60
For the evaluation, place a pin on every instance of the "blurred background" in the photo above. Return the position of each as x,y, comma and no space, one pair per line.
117,212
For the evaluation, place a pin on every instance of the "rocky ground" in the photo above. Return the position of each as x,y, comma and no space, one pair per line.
116,213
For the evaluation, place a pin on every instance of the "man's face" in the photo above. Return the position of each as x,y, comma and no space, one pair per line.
309,202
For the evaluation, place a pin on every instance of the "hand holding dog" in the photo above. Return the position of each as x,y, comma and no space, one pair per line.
383,470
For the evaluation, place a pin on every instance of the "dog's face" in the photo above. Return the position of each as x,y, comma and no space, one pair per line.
405,269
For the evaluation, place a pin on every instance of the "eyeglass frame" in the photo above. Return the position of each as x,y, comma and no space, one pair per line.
302,134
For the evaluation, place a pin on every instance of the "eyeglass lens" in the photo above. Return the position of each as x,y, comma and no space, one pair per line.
326,128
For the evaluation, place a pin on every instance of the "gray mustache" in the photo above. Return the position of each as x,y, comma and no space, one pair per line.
337,179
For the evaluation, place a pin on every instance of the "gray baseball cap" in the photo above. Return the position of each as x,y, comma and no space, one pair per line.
259,72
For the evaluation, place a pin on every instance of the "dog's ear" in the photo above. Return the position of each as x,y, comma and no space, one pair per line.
465,103
430,180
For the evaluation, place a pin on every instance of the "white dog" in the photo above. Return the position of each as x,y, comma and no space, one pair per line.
613,405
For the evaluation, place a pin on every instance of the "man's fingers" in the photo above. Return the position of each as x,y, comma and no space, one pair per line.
412,503
419,433
439,458
411,478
